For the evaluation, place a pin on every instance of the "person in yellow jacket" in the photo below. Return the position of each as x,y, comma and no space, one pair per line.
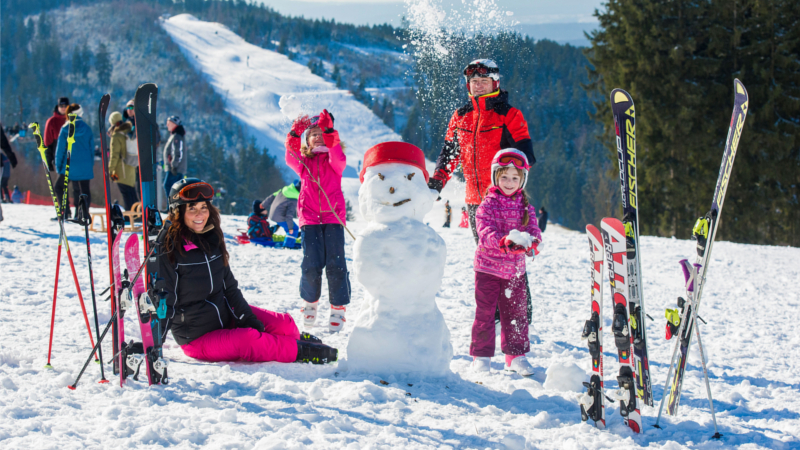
118,168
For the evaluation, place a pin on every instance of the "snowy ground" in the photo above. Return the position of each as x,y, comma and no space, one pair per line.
751,302
252,81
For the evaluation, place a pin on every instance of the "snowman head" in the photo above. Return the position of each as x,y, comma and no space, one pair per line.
394,183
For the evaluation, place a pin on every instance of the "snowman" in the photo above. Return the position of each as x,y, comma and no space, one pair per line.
400,261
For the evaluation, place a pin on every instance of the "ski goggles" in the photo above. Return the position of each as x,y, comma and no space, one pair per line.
196,191
480,70
512,159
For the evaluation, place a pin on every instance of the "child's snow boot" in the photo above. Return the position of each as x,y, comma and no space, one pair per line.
309,312
481,364
308,352
337,318
519,364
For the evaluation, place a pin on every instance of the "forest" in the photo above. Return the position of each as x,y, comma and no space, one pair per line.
677,59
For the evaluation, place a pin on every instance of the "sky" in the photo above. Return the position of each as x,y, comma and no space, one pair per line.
560,20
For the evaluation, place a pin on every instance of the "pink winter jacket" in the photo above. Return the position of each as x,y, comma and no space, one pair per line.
497,215
327,168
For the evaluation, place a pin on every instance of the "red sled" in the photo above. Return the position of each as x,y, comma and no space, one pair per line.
243,238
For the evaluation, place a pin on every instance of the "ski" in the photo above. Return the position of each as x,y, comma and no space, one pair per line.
625,127
704,232
592,401
151,305
615,247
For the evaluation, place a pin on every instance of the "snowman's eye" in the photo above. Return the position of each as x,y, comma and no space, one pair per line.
411,175
380,176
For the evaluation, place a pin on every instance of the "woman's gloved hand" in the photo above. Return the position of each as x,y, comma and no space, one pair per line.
252,322
325,121
300,125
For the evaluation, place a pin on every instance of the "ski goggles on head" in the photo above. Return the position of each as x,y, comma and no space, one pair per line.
196,191
512,159
480,70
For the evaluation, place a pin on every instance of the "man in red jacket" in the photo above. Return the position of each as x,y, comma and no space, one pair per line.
478,130
52,128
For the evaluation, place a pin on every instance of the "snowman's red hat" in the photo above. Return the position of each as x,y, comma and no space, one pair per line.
394,152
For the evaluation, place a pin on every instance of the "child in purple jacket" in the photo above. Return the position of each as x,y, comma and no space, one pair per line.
507,232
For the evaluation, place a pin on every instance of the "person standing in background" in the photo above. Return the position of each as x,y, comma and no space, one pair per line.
5,168
51,129
542,218
175,161
81,170
119,170
448,214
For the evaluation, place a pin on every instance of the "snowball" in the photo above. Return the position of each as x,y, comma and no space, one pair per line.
514,442
520,238
400,261
565,376
291,106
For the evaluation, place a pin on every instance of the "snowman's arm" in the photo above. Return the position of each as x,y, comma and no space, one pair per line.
293,155
336,156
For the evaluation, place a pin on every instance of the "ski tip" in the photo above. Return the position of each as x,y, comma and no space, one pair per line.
620,96
739,87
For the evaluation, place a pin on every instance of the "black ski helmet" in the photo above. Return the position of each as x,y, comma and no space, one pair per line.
189,190
483,68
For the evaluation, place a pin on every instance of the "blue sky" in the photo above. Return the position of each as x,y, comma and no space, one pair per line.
560,20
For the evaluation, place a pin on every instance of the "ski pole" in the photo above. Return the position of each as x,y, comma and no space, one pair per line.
83,206
62,238
95,349
708,387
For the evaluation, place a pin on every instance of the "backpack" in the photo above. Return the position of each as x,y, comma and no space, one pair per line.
131,152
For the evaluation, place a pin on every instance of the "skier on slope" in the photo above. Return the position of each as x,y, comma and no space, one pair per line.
314,152
206,312
477,131
500,264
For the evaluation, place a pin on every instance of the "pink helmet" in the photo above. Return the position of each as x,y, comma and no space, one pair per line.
510,156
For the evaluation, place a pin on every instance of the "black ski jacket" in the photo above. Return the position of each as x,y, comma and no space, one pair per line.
203,294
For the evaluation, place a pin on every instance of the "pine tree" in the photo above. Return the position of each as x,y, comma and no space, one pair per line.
103,65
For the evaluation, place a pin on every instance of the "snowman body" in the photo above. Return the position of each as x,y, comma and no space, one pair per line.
400,261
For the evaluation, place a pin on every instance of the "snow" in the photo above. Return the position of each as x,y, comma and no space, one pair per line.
565,377
750,302
400,262
253,80
522,238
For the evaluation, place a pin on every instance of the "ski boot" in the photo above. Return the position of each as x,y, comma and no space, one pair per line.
308,352
337,318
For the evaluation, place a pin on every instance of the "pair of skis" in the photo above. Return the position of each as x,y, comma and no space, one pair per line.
704,232
145,289
609,247
619,247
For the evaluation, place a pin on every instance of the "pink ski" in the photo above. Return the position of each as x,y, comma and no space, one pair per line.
120,312
133,264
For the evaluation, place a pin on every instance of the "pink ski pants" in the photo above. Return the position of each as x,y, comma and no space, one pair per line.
278,342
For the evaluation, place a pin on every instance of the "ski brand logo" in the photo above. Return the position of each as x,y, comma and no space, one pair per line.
150,104
627,159
737,133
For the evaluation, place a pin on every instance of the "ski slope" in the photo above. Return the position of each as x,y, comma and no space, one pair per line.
751,305
251,80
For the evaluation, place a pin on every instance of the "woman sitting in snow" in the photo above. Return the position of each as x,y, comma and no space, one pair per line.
208,316
314,152
507,231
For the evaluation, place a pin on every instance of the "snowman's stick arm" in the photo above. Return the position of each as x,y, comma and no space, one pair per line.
316,180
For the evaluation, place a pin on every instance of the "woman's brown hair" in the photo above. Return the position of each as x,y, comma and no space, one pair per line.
525,215
179,233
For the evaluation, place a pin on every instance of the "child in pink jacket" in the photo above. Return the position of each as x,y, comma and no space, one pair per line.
507,232
313,151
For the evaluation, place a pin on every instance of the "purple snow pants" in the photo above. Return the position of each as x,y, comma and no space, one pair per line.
278,342
509,295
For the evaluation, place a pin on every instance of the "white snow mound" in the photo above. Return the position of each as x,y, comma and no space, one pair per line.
565,377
